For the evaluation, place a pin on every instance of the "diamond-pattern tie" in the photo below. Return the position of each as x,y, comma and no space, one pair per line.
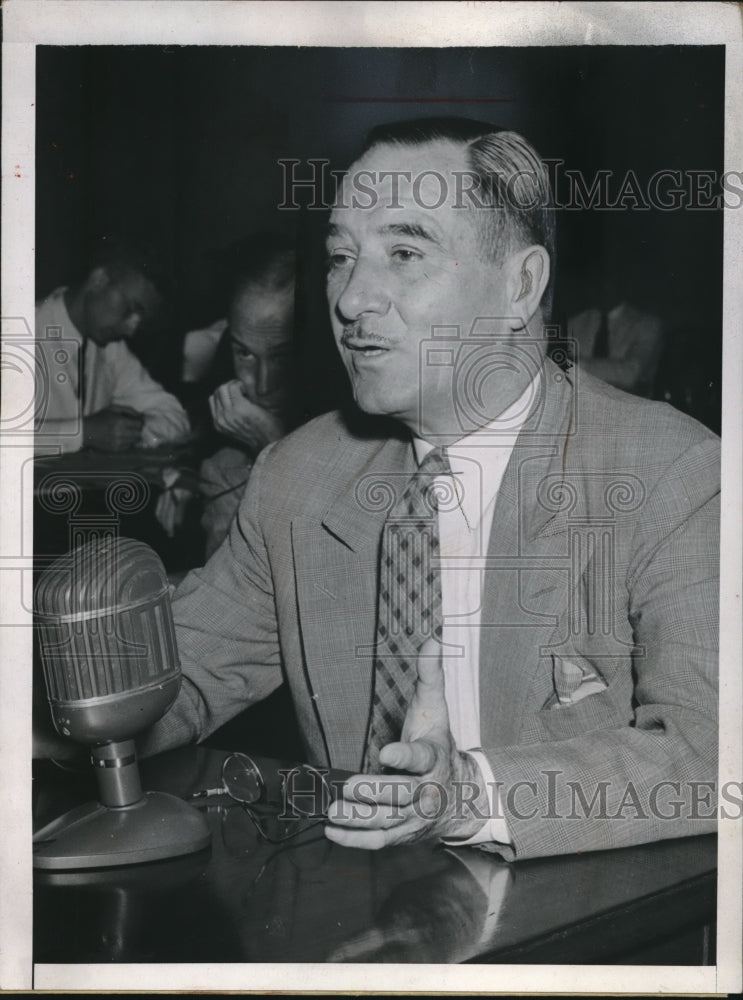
409,609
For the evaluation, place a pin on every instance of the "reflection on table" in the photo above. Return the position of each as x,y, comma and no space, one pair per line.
312,901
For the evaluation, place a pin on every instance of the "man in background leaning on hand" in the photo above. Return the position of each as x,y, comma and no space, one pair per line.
498,608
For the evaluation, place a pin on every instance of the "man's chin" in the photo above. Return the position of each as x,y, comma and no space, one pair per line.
371,404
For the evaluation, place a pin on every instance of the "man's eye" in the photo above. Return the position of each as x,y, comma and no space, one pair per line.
405,255
338,259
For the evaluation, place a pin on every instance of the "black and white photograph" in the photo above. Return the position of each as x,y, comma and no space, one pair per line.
371,497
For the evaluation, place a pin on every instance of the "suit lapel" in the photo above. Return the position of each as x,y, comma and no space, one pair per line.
526,578
336,560
527,572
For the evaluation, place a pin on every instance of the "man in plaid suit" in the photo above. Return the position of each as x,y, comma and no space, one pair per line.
571,703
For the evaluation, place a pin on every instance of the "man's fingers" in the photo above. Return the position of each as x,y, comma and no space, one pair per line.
376,839
217,409
125,423
384,789
121,408
235,391
364,816
417,757
369,840
217,398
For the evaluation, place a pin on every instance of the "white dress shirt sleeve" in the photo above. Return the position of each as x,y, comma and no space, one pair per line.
495,828
165,418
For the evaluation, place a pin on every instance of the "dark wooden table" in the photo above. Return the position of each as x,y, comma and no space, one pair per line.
92,468
116,492
242,900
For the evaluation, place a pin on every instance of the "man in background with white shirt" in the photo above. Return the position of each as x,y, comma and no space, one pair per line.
94,392
541,677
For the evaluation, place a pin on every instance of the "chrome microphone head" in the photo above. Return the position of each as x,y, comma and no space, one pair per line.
111,668
107,640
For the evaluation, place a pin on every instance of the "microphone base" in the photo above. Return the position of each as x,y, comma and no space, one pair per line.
94,836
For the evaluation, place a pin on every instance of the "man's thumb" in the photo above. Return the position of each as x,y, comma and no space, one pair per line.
427,715
430,671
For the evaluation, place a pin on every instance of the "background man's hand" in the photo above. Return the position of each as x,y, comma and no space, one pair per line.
170,509
117,428
440,793
235,415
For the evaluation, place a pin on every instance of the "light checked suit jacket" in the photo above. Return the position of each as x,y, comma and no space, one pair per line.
602,563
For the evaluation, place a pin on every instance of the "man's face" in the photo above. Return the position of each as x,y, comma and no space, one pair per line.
116,307
399,269
261,325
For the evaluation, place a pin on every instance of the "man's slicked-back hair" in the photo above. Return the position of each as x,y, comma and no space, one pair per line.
509,182
416,131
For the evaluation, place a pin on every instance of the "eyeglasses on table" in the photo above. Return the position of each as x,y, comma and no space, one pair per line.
304,796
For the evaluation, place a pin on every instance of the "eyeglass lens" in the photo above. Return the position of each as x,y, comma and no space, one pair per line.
306,791
242,779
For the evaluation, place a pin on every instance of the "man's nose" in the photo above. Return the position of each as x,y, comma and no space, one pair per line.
364,291
268,377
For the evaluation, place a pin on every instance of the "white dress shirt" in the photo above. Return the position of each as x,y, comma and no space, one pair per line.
478,462
113,377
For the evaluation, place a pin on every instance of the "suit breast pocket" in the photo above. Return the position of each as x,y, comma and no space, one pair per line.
573,679
583,700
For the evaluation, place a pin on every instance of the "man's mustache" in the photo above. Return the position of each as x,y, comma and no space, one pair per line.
354,332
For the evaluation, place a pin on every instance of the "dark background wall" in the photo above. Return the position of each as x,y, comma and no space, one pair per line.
183,144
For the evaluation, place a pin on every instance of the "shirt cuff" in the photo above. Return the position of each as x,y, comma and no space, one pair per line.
495,828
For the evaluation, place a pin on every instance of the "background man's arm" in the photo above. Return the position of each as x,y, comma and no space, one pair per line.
165,419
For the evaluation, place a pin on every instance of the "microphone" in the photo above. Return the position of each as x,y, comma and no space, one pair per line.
111,669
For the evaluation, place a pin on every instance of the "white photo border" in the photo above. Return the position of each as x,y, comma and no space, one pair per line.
28,23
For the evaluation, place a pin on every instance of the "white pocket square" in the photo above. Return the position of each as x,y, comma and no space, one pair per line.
573,681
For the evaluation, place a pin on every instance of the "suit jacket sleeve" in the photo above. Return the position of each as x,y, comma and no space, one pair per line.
655,777
225,618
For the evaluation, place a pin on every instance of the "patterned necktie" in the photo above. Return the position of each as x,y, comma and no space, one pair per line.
409,602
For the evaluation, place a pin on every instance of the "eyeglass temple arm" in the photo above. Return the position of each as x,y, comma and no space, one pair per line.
207,793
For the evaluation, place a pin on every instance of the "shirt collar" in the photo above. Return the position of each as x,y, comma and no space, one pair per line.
481,480
71,332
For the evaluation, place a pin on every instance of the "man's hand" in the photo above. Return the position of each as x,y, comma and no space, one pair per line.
117,428
441,793
170,509
235,415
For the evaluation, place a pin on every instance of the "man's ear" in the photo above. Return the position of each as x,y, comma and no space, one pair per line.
529,274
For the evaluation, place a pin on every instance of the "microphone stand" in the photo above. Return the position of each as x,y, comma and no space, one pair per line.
126,825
